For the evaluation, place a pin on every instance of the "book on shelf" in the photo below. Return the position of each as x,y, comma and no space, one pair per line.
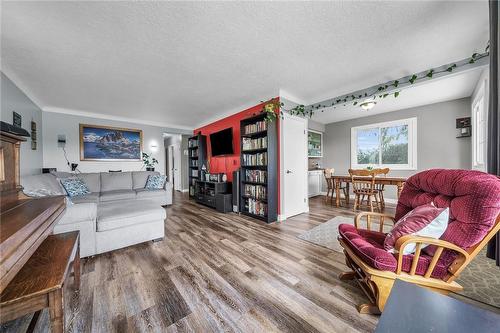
256,176
255,127
259,159
194,153
194,173
255,207
255,191
194,163
258,143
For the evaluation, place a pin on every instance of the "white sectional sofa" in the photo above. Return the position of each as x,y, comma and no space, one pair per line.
118,212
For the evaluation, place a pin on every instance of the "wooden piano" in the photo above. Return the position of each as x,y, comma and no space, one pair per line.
25,226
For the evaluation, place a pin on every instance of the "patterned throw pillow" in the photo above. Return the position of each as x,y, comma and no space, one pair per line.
155,182
75,187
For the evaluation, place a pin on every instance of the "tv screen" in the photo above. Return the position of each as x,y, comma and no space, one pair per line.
222,142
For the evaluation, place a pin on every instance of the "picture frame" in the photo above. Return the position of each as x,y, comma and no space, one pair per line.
16,119
106,143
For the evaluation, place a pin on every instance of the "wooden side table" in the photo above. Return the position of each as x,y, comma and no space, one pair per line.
39,284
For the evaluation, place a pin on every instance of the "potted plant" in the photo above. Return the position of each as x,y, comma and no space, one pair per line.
149,161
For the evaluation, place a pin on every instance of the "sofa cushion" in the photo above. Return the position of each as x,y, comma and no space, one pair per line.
75,187
87,198
146,193
42,185
111,181
472,197
117,195
81,212
139,178
113,215
93,181
369,246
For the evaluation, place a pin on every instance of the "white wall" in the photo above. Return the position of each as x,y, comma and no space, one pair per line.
13,99
58,123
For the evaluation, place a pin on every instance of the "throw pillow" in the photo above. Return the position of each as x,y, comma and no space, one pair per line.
155,182
75,187
426,221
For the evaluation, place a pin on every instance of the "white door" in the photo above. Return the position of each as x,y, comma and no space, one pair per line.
479,131
171,164
177,167
294,165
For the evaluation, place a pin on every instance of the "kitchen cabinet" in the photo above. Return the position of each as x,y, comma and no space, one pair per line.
314,144
314,182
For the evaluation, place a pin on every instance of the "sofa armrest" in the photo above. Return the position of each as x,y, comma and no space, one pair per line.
381,220
419,241
168,186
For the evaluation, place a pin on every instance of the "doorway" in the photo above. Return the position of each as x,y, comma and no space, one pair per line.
175,164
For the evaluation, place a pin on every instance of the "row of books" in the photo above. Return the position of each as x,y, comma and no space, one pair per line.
255,191
194,163
257,143
193,143
256,207
257,176
255,127
193,153
194,173
254,159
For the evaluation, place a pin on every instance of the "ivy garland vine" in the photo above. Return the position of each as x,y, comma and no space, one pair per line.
274,108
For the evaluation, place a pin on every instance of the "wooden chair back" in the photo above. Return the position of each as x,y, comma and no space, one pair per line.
363,181
328,173
382,172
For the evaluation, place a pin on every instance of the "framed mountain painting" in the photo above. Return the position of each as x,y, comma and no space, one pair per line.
104,143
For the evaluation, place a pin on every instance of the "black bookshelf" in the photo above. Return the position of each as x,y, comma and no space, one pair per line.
197,156
259,168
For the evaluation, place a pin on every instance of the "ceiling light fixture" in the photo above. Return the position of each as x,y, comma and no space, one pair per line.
368,105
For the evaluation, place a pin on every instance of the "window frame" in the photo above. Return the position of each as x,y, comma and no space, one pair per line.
412,144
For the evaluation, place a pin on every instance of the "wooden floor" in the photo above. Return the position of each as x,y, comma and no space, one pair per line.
217,272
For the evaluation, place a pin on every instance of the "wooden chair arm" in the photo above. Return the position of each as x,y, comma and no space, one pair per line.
402,242
369,215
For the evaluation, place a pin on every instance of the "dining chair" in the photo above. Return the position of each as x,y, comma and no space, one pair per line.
363,185
330,182
380,187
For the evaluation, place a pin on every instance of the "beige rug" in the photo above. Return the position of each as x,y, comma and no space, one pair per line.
481,278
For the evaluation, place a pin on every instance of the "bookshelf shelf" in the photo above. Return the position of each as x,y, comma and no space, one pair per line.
197,155
259,152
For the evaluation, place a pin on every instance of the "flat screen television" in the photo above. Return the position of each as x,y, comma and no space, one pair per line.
221,142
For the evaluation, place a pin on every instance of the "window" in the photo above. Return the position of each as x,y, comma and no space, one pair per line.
391,144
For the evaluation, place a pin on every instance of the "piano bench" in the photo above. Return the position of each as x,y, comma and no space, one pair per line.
40,282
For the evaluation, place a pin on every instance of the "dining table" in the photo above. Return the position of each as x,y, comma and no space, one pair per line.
381,180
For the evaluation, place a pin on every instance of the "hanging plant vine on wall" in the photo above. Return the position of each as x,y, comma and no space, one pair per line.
274,108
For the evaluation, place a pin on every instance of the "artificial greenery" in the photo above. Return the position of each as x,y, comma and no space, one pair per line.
148,160
274,108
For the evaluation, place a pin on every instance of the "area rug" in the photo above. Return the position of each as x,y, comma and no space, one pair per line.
480,279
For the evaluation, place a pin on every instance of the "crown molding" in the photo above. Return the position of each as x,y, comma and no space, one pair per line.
73,112
292,98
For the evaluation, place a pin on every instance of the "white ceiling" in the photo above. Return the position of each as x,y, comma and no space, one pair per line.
187,63
434,91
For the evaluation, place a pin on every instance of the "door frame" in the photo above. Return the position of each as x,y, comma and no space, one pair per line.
282,124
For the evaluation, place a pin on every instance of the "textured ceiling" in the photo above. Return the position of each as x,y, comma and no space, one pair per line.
186,63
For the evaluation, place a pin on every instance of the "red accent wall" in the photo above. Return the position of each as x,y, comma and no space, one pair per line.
228,164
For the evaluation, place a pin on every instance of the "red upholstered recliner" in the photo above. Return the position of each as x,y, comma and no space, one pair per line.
474,201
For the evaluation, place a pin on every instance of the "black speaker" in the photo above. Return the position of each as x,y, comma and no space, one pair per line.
236,191
223,202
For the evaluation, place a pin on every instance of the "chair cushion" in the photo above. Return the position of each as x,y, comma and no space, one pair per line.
426,221
75,187
111,181
139,178
81,212
146,193
93,181
87,198
117,195
156,182
113,215
369,246
472,197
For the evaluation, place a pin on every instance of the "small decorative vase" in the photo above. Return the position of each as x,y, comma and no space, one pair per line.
224,178
150,169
